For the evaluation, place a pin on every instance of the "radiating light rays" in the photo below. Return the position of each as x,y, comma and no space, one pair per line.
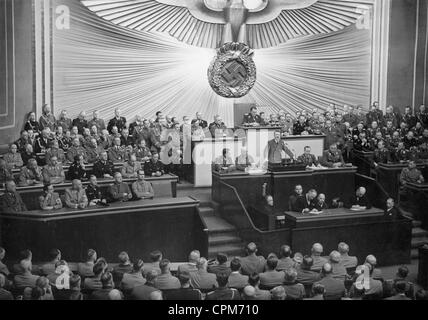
101,66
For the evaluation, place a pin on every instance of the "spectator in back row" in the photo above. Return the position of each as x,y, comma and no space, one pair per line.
75,197
50,200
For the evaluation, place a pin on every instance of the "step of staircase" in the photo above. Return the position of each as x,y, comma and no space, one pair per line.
216,224
418,232
207,212
223,239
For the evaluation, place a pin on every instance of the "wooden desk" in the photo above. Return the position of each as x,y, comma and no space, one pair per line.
334,183
388,176
165,186
419,199
366,232
88,168
136,227
266,218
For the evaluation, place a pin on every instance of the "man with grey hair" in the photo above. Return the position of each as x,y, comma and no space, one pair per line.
359,201
376,273
347,260
201,279
319,261
339,271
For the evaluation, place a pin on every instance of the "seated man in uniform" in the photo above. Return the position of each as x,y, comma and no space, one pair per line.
94,193
411,174
11,201
359,201
252,118
55,151
154,167
50,200
308,158
76,150
244,160
75,197
381,154
104,168
307,203
13,158
346,260
31,174
332,158
119,191
298,193
130,169
117,153
141,188
224,163
53,173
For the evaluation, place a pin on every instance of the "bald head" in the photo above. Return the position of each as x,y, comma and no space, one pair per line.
251,248
249,292
327,268
156,295
335,257
115,295
371,259
278,293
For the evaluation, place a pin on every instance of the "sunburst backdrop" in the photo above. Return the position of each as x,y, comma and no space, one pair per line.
98,65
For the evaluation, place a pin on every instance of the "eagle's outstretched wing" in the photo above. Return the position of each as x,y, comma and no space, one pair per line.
283,20
189,21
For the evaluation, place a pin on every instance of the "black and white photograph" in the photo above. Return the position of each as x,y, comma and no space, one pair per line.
213,153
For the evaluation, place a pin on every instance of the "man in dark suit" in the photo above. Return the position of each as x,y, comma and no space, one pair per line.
307,203
334,288
117,121
154,167
298,193
391,210
11,201
252,118
252,263
359,201
276,147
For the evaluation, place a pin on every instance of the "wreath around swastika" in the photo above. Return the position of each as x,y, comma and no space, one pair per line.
233,72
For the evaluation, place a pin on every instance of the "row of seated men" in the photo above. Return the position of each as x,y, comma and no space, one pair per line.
78,197
253,277
53,172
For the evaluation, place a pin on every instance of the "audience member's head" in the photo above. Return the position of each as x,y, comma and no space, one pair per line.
285,251
75,282
137,266
156,256
402,272
124,258
327,269
156,296
98,268
317,250
251,249
290,276
235,265
91,256
254,280
164,265
272,261
334,257
318,289
202,264
222,279
278,293
151,277
107,280
54,255
221,258
343,248
400,286
115,295
249,293
184,278
194,256
307,263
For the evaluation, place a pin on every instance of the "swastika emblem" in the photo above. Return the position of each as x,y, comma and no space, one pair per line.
232,74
